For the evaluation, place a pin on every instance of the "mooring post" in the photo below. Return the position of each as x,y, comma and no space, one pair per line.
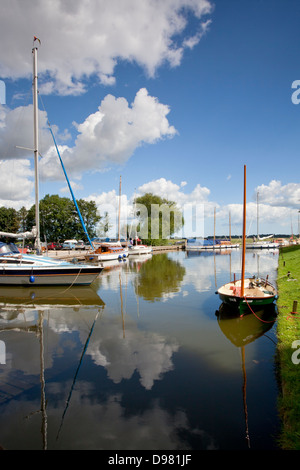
295,304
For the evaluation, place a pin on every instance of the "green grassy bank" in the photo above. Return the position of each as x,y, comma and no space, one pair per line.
288,346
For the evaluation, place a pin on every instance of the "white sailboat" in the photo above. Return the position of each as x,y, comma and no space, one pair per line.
261,241
135,246
109,251
18,269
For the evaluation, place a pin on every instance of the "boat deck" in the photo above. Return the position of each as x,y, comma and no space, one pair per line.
251,289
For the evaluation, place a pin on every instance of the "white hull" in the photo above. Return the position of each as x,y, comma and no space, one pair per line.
259,246
212,247
139,250
106,257
42,277
28,270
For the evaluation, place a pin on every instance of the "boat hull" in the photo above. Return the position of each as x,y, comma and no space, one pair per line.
239,301
107,253
256,293
43,276
261,246
139,250
211,248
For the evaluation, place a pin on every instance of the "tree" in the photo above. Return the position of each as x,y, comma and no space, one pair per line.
159,219
90,216
104,226
59,219
22,217
8,220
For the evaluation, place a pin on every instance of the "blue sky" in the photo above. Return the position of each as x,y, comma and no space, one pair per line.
175,96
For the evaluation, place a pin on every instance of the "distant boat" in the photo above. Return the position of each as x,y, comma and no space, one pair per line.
261,242
250,291
107,252
262,245
20,269
203,244
137,248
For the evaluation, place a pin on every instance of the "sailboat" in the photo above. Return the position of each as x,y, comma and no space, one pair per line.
135,246
261,241
18,269
251,291
109,251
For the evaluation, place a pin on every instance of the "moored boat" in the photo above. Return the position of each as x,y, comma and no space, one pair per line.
262,245
256,292
203,244
107,252
139,250
247,292
18,269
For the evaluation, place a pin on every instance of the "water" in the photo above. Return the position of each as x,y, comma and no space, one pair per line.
140,360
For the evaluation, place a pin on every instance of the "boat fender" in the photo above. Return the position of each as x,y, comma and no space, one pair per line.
124,256
32,279
120,256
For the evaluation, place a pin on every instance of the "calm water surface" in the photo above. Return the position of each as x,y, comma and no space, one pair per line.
146,358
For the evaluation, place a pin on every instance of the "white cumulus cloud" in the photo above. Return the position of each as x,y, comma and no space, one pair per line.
276,194
92,36
112,134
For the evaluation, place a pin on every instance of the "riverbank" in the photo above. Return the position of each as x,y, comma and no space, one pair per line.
288,347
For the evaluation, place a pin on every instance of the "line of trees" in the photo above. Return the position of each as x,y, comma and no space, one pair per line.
158,219
58,219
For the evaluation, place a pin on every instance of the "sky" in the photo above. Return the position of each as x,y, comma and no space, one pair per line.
172,96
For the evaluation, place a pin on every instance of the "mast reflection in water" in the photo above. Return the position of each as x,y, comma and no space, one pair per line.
137,361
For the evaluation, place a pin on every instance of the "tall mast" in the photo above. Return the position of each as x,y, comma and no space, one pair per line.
257,215
214,225
119,210
35,149
244,236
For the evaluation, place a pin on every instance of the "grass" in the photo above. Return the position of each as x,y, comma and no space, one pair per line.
288,331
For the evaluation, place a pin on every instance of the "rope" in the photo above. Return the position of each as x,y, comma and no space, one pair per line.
264,321
292,315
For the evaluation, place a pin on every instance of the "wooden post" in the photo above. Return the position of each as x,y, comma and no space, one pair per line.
295,303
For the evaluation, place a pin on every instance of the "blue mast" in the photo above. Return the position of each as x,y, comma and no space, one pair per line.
73,197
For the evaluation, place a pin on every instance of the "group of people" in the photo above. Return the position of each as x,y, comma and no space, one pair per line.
135,241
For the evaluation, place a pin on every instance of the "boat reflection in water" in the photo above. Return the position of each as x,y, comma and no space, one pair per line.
43,297
25,310
243,330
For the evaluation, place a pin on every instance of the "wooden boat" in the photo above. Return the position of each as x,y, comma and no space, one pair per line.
107,252
247,292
